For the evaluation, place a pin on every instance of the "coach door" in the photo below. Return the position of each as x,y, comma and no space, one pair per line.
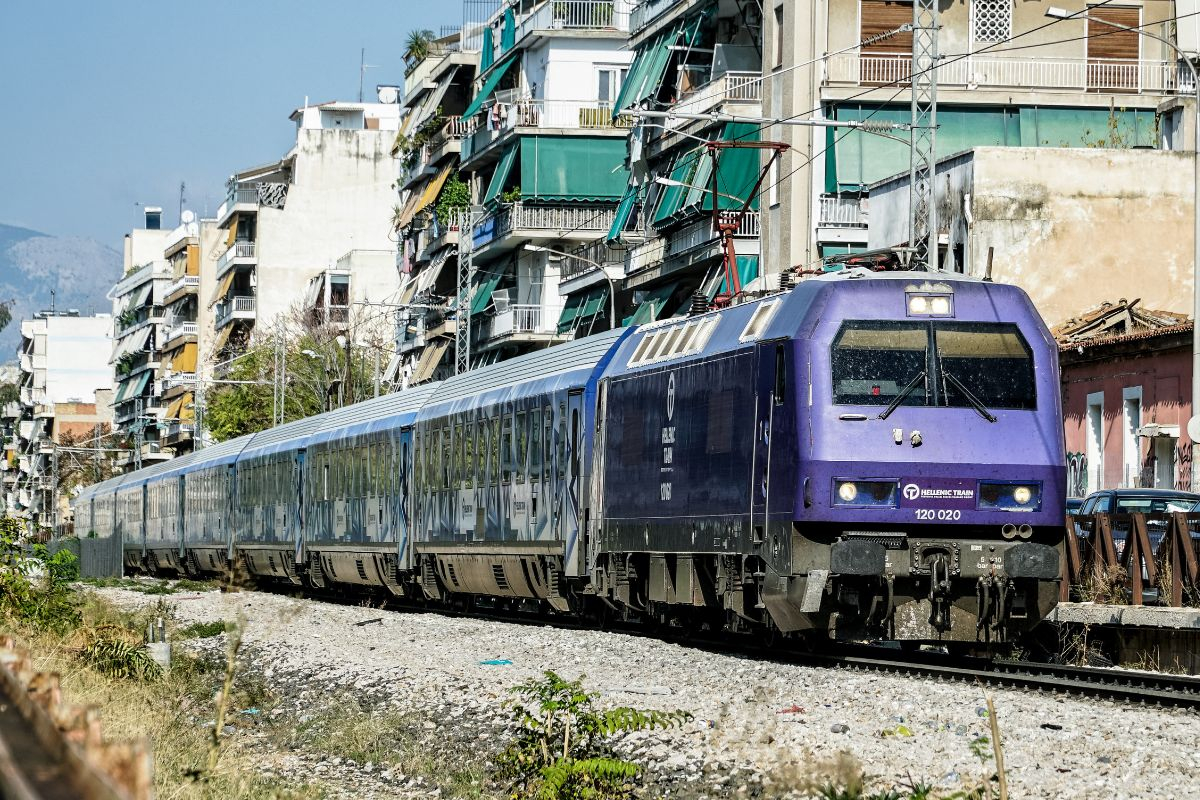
294,512
400,501
770,390
570,523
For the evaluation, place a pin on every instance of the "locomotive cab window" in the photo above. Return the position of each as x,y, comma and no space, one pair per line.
937,363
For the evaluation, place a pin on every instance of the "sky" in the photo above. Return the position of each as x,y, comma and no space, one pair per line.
112,103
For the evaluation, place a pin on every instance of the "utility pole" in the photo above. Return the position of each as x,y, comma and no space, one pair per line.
466,278
922,210
137,434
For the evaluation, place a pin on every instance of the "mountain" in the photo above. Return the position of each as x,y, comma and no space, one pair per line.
79,271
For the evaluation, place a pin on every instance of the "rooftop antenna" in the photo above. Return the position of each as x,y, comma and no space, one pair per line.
363,66
182,188
52,306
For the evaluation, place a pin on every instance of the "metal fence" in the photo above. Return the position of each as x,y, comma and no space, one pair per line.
1133,558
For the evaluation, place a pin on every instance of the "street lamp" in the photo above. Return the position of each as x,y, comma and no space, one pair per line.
612,290
1062,14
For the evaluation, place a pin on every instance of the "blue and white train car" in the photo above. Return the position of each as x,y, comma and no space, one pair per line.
501,474
207,507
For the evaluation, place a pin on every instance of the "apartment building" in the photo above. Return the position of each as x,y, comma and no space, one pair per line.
63,372
544,156
188,323
434,199
701,61
285,223
1008,76
138,335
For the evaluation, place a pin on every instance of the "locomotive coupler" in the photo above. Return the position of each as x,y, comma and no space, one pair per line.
993,595
939,592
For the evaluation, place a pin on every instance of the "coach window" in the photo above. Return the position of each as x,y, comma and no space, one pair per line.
535,444
495,451
547,442
506,446
447,458
522,445
562,441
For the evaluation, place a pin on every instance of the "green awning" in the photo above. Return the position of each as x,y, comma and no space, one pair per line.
622,216
485,284
508,36
652,306
747,267
122,391
646,73
566,320
573,168
500,176
487,55
738,168
682,172
489,86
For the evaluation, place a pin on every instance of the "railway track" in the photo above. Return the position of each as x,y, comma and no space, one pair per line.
53,751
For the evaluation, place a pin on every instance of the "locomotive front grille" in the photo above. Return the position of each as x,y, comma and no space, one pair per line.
891,540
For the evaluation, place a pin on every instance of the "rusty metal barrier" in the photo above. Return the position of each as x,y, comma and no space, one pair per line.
1130,554
50,749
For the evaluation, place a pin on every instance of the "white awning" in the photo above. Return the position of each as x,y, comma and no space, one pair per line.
432,100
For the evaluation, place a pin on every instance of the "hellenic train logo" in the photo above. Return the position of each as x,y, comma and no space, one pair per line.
670,396
911,491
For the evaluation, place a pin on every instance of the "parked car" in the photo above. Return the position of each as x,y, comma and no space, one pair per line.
1139,501
1074,504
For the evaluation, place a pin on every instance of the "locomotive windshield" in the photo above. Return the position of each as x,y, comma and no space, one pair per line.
937,363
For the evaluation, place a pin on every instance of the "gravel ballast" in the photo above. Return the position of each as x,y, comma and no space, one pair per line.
760,728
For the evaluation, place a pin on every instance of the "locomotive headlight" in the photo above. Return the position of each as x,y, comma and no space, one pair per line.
848,491
918,304
1009,496
930,305
939,306
876,493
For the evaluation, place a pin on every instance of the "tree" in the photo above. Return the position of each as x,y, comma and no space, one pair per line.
416,45
5,313
325,365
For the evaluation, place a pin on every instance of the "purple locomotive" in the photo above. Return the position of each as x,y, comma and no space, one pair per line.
868,455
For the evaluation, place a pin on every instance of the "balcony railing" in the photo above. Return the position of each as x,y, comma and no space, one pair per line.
842,212
179,379
235,307
732,87
698,234
531,113
1096,74
588,256
182,329
560,220
181,283
240,251
575,15
646,11
517,319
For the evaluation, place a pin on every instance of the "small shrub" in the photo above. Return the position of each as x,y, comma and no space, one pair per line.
121,659
564,747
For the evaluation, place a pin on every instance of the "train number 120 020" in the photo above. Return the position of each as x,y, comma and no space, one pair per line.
942,514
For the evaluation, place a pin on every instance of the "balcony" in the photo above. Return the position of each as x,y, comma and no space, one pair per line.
686,246
842,212
646,12
176,433
182,329
542,222
520,321
242,253
570,115
188,284
731,87
563,15
176,380
979,72
235,308
249,196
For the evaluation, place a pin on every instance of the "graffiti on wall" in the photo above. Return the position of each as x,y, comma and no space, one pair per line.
1077,477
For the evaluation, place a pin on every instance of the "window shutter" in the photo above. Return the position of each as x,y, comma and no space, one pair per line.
881,16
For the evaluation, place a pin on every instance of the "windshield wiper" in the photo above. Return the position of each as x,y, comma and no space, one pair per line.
905,392
972,399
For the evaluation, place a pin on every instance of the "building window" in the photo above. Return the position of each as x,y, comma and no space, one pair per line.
1094,432
1112,57
991,20
1131,449
778,36
608,83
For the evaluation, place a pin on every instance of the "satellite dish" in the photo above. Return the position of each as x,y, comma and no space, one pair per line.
187,217
388,94
1193,429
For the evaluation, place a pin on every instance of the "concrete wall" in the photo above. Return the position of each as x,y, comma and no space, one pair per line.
212,244
1162,380
564,68
1073,227
77,353
341,199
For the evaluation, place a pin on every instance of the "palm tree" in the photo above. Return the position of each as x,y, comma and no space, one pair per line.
416,46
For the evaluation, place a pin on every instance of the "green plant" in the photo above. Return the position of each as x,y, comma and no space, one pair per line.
513,195
120,659
563,747
455,196
416,45
45,602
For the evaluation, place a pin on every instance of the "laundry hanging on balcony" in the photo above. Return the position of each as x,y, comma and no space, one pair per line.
573,168
493,80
